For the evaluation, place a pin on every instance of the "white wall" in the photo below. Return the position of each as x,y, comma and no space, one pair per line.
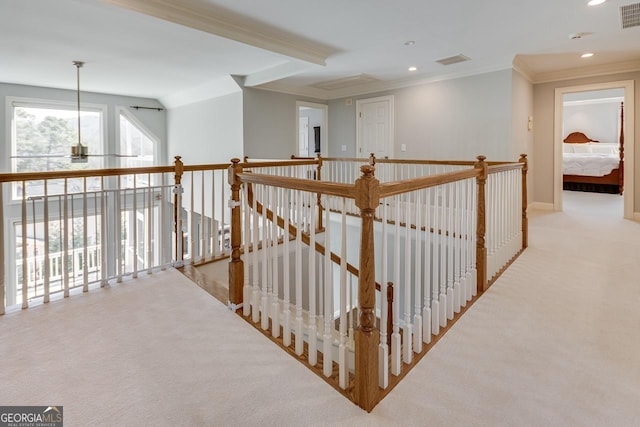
153,120
454,119
208,131
599,121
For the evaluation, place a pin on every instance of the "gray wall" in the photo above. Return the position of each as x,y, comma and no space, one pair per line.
453,119
154,121
207,132
521,135
342,128
544,98
270,123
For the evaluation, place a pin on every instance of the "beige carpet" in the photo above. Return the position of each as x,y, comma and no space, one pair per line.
554,342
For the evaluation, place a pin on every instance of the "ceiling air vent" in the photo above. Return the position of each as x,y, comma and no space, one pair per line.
453,59
630,15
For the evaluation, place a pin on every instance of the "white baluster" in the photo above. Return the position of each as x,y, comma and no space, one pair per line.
275,279
327,367
343,353
255,237
299,321
457,218
246,290
396,362
313,336
450,245
426,309
286,339
417,313
408,327
435,283
264,281
383,348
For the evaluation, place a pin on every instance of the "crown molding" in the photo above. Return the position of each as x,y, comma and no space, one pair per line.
591,71
222,22
520,66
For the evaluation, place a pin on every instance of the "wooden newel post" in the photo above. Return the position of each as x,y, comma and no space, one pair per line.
367,337
481,227
236,265
525,203
320,225
177,209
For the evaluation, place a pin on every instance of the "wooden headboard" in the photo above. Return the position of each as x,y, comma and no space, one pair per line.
578,138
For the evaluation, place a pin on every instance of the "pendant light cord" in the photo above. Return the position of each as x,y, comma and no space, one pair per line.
78,64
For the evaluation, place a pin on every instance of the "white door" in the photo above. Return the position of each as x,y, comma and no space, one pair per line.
303,137
375,127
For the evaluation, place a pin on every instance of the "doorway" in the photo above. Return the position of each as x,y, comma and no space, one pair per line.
311,129
575,93
374,131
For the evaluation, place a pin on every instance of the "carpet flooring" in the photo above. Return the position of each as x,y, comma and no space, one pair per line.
554,342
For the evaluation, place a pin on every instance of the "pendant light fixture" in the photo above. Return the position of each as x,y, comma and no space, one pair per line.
79,152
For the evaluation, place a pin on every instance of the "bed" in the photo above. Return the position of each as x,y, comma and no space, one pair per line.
591,165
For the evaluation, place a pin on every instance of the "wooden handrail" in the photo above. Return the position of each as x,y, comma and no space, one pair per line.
324,187
37,176
275,163
504,167
409,161
398,187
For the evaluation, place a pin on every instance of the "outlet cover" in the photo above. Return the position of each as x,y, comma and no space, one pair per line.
344,148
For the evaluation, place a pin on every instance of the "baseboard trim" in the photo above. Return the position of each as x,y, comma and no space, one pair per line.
636,216
541,206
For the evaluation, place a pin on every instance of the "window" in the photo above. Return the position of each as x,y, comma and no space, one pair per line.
136,144
42,136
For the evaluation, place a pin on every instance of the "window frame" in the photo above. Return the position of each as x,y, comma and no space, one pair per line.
13,102
158,155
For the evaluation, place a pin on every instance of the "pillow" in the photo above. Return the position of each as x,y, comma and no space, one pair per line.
567,148
582,148
606,148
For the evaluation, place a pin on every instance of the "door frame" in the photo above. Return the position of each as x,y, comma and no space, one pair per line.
359,105
324,140
629,140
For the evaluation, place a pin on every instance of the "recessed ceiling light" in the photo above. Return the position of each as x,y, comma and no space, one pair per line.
586,55
409,43
596,2
413,68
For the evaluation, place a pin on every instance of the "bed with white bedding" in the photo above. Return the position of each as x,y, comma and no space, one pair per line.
590,165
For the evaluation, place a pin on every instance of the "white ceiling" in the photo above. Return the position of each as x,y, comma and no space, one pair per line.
187,49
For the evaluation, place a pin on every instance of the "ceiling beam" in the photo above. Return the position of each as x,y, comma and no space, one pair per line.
215,20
